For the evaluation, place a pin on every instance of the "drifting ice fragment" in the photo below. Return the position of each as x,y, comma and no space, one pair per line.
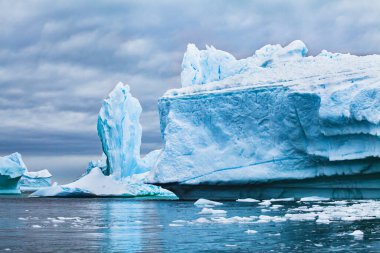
212,211
207,203
248,200
313,198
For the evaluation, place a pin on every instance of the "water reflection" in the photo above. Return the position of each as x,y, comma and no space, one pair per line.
127,225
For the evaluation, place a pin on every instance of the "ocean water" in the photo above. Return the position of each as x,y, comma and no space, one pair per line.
129,225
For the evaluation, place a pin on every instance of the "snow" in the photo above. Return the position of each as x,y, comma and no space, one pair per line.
249,200
200,67
11,169
38,174
95,183
276,116
207,203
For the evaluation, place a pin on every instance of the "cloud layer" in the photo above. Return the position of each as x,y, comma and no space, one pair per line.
59,60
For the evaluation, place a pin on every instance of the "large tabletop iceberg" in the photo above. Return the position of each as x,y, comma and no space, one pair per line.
11,170
278,118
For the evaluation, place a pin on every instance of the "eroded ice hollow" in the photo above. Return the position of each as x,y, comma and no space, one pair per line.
277,124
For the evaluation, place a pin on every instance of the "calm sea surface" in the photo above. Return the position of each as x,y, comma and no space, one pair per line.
126,225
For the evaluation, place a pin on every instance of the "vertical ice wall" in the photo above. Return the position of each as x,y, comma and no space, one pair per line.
120,132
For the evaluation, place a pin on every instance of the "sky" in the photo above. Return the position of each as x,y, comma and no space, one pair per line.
60,59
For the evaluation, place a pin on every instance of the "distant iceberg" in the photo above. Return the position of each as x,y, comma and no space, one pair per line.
121,171
12,169
277,124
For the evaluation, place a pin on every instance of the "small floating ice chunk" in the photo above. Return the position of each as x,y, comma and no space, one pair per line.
265,203
202,220
179,221
212,211
175,225
358,234
249,200
250,231
230,245
56,220
235,219
323,221
301,216
207,203
276,206
282,200
314,198
36,226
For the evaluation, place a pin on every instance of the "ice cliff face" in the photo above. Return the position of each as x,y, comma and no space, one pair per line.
11,170
120,132
275,116
33,180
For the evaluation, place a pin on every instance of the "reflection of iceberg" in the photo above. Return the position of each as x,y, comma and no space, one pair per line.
11,170
32,181
276,124
121,171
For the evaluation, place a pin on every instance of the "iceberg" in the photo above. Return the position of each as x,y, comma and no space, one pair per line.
32,181
278,124
12,169
120,132
120,172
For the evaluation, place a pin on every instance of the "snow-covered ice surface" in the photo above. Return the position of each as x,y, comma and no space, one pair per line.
178,226
11,170
95,183
278,115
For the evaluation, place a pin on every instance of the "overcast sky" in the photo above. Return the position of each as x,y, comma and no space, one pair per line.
59,59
